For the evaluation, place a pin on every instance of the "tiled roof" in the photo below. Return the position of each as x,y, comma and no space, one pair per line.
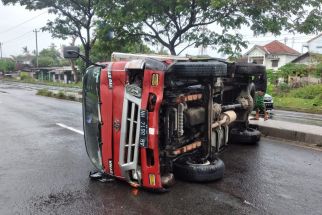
276,47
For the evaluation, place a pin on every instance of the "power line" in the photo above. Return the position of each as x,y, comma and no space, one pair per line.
16,26
19,41
15,39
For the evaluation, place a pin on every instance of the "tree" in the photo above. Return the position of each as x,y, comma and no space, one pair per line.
103,49
74,18
292,69
25,50
207,22
50,57
6,65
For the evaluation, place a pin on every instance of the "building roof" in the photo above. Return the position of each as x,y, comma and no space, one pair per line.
276,48
7,58
301,57
314,38
305,55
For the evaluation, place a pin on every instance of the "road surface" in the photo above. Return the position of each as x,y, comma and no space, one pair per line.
44,170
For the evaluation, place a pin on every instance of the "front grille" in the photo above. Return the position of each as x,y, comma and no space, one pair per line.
129,142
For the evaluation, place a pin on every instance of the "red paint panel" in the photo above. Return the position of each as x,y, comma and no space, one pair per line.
153,139
106,129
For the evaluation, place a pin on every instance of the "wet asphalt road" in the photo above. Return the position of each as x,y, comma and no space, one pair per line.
44,170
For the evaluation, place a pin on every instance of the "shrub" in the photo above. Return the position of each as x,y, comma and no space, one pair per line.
24,76
44,92
307,92
293,69
71,97
281,90
61,95
272,76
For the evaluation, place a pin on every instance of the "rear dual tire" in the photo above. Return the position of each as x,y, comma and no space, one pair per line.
247,136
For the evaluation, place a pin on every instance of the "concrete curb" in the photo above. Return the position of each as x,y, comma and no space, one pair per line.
290,131
291,135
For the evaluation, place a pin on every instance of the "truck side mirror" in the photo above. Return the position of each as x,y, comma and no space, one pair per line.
71,52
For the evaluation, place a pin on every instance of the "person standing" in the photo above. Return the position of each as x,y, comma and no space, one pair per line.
260,87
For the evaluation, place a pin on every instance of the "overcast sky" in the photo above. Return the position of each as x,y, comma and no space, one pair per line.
17,25
16,30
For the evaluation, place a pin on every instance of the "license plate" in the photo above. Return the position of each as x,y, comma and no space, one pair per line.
268,105
143,138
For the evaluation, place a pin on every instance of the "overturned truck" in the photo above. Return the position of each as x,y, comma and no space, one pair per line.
151,119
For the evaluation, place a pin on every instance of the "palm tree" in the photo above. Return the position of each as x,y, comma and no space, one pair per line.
25,50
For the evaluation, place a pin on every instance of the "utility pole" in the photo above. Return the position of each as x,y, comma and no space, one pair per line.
1,50
36,31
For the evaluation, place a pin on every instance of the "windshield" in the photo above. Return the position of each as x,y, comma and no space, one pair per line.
91,115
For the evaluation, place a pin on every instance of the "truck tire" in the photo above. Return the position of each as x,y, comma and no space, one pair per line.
211,170
246,136
198,69
249,69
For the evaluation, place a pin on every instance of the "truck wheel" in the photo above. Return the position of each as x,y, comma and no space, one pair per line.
198,69
246,136
188,170
249,69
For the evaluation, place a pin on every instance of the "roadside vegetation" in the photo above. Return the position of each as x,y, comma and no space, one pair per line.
58,95
29,80
296,95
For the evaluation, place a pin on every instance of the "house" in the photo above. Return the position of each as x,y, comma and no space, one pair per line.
55,74
308,58
314,45
273,55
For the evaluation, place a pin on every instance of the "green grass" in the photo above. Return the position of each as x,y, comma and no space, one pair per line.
305,99
44,92
308,92
58,95
49,83
297,104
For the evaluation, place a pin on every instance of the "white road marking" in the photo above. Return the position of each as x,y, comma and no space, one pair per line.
70,128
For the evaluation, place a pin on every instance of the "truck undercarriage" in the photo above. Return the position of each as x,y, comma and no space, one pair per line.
148,121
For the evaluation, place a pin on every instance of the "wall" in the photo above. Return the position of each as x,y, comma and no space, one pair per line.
283,59
297,81
313,45
255,53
